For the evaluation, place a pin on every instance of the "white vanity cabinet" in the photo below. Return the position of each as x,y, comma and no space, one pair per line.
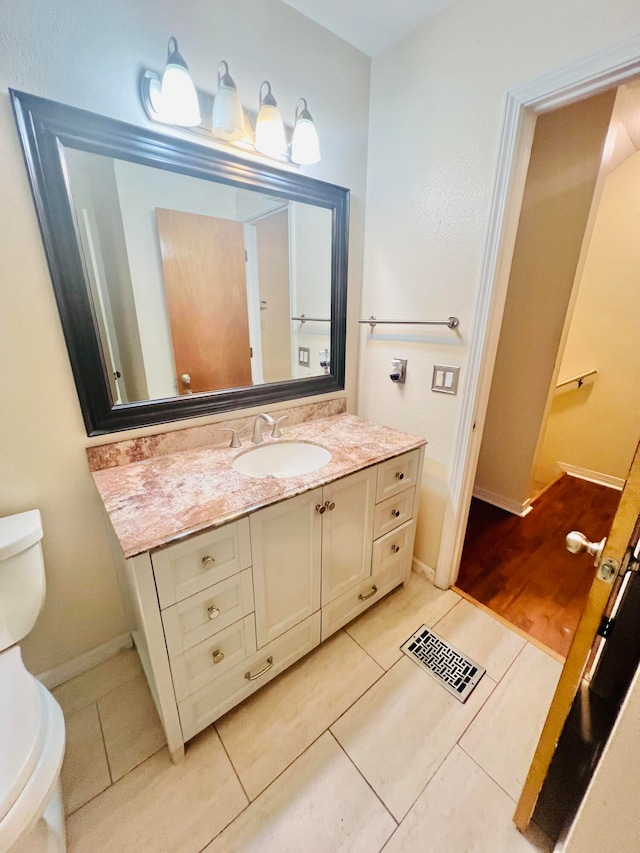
219,614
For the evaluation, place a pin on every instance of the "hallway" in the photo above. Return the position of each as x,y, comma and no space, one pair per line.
520,568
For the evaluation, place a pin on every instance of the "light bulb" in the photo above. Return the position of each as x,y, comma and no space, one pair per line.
178,97
270,137
228,117
305,146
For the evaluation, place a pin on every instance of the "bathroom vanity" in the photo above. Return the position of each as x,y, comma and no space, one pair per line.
229,579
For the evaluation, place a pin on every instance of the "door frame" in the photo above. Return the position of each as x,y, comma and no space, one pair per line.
574,82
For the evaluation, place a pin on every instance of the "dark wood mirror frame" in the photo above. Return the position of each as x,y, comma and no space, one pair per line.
46,128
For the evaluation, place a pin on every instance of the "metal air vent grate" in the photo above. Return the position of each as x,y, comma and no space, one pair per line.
456,673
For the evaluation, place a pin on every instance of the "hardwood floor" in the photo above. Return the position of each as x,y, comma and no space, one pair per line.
520,568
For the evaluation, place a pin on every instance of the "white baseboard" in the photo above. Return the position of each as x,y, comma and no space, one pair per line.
59,674
423,570
515,508
593,476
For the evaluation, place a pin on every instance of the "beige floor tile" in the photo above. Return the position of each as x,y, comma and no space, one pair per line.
91,685
269,730
85,772
503,737
402,729
162,807
460,811
383,629
131,727
320,804
475,633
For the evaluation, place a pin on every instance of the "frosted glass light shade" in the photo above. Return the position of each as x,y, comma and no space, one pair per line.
270,136
305,146
228,117
178,97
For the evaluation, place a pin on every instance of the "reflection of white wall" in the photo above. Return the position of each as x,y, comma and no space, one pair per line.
141,189
310,238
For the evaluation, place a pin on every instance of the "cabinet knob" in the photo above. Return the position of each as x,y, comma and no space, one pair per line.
399,475
218,656
208,562
330,505
395,548
395,513
213,612
321,508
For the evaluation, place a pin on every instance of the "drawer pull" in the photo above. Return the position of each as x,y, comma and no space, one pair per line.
213,612
395,513
399,475
321,508
329,505
395,548
208,562
250,677
362,597
218,656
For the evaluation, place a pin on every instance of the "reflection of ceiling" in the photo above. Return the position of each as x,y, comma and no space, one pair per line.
369,25
623,139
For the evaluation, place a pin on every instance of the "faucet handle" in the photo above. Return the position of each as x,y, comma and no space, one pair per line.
275,432
235,440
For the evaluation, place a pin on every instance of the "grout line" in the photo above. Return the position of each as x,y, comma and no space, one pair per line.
360,646
448,613
104,744
366,781
233,767
487,774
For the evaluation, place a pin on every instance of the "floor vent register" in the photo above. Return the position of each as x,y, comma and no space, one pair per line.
456,673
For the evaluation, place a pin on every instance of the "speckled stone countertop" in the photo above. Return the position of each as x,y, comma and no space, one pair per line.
163,499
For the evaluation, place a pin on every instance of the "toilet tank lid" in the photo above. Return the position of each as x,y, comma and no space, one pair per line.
19,532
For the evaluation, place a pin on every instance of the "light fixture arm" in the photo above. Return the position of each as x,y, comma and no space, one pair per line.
267,99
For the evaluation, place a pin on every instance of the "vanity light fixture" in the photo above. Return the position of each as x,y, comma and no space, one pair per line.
270,137
305,146
172,100
228,117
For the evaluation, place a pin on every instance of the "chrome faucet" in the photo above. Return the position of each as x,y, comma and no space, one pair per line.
267,419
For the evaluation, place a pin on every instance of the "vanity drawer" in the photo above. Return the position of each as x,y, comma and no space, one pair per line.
210,660
394,548
191,566
397,474
393,512
356,600
192,620
216,698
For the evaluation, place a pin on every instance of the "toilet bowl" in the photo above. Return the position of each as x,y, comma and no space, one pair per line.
32,735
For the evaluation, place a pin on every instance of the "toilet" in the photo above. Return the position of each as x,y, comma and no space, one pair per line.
31,722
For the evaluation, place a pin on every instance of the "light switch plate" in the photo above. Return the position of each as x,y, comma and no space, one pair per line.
304,356
445,379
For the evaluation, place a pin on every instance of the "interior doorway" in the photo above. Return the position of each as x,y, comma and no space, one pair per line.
564,413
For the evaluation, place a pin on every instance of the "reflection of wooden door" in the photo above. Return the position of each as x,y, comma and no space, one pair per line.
203,263
570,679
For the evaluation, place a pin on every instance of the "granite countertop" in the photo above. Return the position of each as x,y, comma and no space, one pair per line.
163,499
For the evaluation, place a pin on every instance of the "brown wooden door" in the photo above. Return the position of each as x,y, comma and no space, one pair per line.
203,263
579,653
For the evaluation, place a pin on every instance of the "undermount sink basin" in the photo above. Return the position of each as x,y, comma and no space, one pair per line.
284,459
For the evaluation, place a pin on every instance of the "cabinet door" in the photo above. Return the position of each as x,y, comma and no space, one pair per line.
347,532
286,541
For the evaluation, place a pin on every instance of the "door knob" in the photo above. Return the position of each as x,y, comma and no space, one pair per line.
577,543
186,381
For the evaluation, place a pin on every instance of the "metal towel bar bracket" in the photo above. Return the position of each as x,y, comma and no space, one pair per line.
452,322
302,319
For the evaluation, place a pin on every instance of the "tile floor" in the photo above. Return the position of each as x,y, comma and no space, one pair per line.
354,748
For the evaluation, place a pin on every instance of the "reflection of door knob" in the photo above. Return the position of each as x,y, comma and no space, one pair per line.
577,543
185,379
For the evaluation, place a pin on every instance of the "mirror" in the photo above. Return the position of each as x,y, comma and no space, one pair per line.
188,281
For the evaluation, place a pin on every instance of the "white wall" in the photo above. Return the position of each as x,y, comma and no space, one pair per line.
436,117
597,427
91,56
563,170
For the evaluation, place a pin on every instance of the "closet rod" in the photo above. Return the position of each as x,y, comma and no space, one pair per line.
452,322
